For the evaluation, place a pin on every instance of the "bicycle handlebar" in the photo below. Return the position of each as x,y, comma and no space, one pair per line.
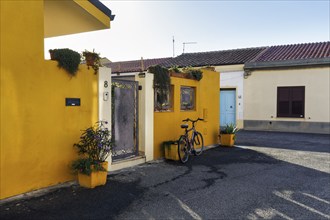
188,119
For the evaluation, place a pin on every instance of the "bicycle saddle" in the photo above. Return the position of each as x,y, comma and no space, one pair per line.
184,126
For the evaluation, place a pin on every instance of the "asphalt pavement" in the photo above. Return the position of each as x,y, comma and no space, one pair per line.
267,175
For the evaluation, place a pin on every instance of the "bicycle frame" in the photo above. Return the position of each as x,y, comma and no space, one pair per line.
191,139
186,144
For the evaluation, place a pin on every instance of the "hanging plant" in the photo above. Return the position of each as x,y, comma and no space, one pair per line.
67,59
162,81
92,59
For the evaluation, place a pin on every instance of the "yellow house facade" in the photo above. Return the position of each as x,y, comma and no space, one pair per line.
158,126
230,66
37,128
167,123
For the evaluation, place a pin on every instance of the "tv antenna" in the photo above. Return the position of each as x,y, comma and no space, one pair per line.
184,43
173,46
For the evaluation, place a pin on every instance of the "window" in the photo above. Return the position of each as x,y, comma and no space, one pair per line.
187,98
163,103
291,102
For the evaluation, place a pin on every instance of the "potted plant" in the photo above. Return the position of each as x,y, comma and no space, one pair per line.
228,135
92,59
195,74
187,72
94,147
176,72
67,59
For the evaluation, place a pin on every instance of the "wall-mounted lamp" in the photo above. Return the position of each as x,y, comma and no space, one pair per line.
247,73
142,75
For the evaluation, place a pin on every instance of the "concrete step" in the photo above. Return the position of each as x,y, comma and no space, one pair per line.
125,163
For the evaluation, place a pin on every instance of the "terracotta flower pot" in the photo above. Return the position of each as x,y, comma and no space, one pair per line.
90,59
227,140
180,75
171,152
97,178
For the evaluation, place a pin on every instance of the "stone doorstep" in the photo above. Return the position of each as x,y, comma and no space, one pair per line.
125,163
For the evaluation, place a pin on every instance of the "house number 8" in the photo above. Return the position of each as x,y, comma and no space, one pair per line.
105,84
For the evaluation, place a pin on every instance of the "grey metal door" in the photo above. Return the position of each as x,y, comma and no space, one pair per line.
124,119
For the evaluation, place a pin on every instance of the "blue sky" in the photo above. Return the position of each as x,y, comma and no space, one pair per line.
145,28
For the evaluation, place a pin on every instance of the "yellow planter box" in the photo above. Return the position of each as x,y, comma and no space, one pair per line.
97,178
171,151
227,140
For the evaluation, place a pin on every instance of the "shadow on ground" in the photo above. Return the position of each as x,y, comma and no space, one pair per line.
222,183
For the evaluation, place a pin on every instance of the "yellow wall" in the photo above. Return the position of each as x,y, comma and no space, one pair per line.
260,93
167,124
37,130
82,14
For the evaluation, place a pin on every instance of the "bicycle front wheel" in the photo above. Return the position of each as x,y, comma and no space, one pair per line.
198,143
183,149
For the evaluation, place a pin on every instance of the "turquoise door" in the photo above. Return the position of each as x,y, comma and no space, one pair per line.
227,107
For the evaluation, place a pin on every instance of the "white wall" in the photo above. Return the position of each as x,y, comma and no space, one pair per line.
260,90
146,115
105,100
232,78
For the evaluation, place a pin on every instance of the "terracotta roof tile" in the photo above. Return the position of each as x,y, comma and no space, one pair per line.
215,58
295,52
134,65
266,56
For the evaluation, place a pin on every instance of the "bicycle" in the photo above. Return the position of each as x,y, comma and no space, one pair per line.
193,145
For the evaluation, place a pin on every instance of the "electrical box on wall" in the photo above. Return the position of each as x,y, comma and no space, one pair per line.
72,101
105,96
205,113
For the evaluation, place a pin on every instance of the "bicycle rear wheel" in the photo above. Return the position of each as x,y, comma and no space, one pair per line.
183,149
198,143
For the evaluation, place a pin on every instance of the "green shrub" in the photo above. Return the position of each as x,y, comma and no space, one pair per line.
86,166
229,129
95,146
175,69
195,74
67,59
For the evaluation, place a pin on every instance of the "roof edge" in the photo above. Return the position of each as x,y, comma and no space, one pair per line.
226,50
103,8
287,63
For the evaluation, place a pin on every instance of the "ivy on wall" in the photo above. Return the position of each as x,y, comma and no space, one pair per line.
162,81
